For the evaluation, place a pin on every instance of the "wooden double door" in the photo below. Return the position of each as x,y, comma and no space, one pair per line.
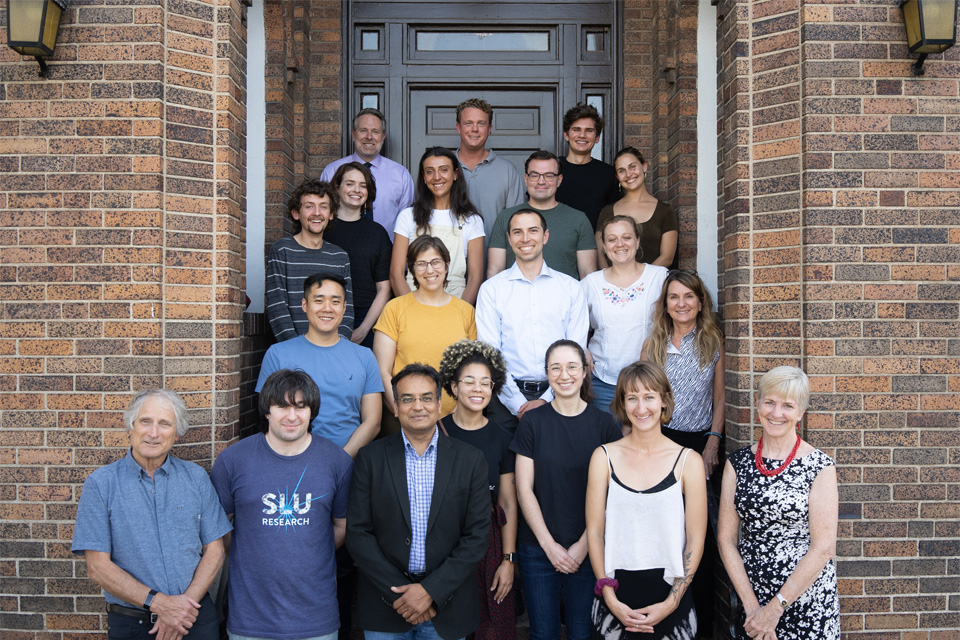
531,60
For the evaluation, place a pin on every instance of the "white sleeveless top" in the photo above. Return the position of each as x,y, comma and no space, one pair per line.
645,529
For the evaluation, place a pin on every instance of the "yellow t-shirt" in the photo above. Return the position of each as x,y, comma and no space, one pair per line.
422,332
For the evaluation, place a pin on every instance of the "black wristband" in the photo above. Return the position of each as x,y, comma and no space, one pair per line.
149,600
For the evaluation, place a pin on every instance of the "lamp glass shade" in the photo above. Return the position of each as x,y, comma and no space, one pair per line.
931,25
911,18
32,26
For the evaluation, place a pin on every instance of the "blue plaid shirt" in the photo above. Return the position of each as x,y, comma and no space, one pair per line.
420,473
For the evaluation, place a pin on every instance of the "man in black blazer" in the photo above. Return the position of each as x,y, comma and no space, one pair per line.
417,548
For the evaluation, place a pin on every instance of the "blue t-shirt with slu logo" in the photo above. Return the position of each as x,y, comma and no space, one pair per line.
283,574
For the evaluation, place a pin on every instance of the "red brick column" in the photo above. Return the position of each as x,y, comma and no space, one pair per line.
122,223
840,231
660,104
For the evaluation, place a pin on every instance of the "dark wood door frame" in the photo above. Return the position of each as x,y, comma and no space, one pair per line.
388,73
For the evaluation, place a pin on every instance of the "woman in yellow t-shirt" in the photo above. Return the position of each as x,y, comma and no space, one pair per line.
418,326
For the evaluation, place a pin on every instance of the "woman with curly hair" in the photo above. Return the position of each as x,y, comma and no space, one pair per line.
472,372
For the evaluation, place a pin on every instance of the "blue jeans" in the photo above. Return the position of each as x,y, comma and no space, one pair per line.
604,393
545,588
422,631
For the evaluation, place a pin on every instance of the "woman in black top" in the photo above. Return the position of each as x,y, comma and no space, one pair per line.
472,372
553,444
366,243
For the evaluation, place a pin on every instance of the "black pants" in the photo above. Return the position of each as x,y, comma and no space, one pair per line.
703,583
497,412
346,590
206,626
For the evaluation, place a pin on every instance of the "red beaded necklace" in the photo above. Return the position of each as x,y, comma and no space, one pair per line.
758,459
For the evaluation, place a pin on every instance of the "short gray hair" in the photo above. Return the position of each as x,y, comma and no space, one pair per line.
369,111
175,401
787,382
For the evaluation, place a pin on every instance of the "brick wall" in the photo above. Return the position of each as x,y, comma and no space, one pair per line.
304,106
121,221
304,133
660,104
122,227
841,225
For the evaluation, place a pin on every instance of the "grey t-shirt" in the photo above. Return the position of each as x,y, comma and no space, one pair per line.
492,186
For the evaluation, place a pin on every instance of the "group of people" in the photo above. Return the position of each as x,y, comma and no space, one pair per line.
545,420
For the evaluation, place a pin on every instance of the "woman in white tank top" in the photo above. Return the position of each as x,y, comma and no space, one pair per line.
646,517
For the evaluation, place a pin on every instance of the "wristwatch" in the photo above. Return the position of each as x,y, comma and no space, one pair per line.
783,601
149,600
510,557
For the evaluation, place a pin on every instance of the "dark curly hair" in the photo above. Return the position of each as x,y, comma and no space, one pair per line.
466,352
582,111
313,188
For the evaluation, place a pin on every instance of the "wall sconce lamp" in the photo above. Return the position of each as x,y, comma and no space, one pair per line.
32,27
931,27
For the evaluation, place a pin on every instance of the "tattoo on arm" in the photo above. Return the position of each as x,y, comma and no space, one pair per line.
680,584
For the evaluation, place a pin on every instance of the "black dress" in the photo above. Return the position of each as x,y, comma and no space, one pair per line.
775,533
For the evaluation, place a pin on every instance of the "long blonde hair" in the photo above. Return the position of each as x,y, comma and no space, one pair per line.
709,338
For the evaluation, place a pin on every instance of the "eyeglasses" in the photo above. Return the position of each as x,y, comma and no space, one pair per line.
485,383
573,368
421,265
535,176
425,399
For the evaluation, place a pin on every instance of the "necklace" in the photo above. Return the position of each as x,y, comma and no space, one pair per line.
758,459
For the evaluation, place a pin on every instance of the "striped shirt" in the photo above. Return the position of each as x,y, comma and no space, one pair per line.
288,265
692,387
420,473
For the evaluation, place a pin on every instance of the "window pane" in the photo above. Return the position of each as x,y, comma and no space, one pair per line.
596,101
370,40
369,101
483,41
594,41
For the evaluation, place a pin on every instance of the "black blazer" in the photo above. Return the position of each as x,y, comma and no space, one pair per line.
458,529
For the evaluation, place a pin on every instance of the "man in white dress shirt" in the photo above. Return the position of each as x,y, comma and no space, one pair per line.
522,311
394,183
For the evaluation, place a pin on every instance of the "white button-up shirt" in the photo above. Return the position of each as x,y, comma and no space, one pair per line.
523,318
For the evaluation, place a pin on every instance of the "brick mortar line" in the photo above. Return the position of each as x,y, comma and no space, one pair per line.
163,203
214,258
748,437
804,428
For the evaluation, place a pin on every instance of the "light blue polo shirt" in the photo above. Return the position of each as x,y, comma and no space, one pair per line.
154,529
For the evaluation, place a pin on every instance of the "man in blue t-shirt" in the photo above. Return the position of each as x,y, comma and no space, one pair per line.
346,373
287,492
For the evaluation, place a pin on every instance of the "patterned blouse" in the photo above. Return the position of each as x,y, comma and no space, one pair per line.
692,386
